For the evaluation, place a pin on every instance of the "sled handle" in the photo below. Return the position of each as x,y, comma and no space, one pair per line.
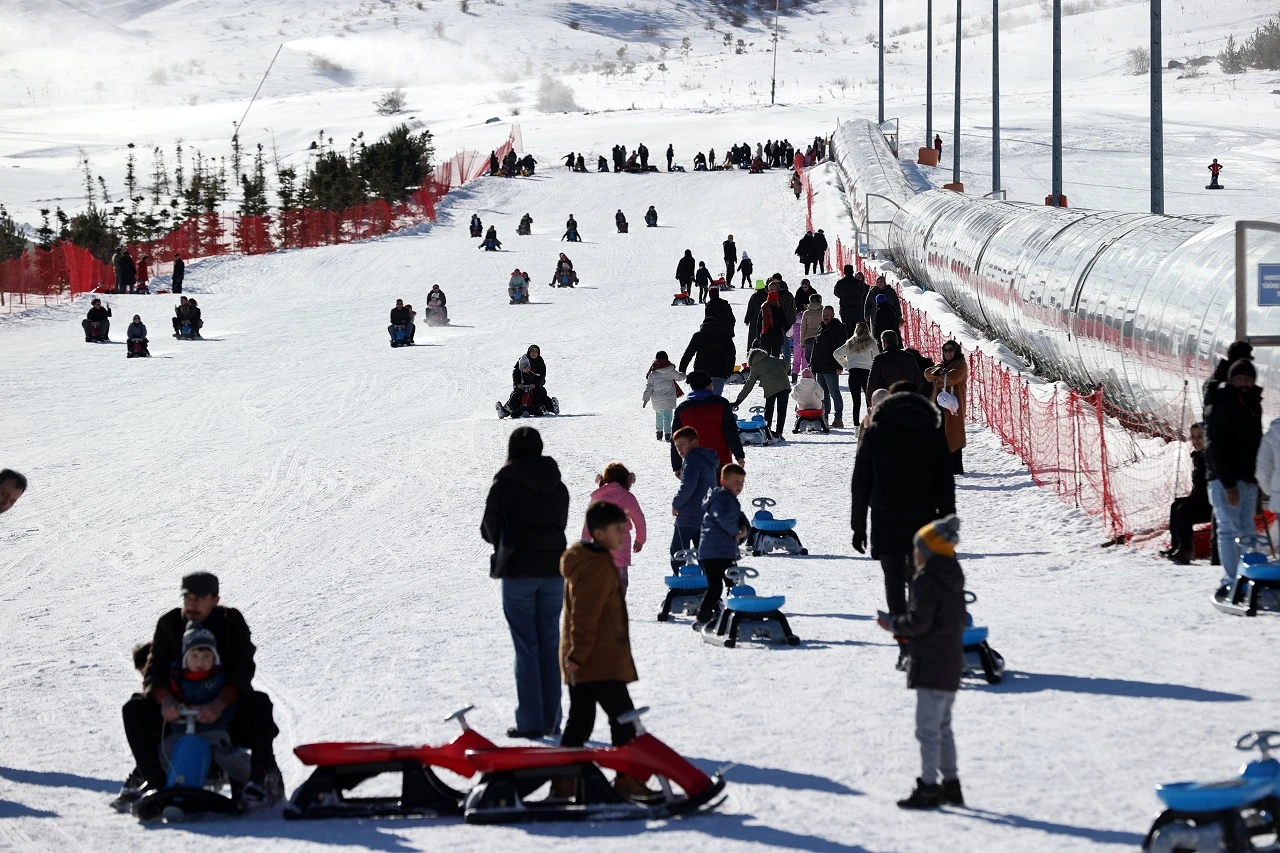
970,597
740,573
1264,740
461,716
633,718
757,410
763,502
689,555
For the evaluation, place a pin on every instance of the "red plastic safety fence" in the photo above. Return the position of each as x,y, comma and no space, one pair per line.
55,275
1080,446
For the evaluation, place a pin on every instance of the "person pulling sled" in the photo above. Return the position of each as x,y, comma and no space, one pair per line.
137,335
97,323
491,242
525,228
564,276
620,220
476,227
529,394
571,231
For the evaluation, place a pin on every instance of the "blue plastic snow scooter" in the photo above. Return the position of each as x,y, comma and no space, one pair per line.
743,610
195,782
1222,817
684,588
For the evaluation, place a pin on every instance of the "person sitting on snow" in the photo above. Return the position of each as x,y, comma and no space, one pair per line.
518,287
401,316
250,726
620,220
137,330
525,228
529,392
700,162
602,165
100,314
476,226
571,230
491,242
651,217
437,302
564,271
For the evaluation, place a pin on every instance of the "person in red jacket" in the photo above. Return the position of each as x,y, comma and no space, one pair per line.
713,418
1214,169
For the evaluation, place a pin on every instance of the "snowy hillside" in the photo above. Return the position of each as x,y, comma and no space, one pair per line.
92,77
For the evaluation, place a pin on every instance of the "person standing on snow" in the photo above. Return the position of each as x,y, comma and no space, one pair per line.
525,516
1233,421
644,156
820,252
685,270
179,273
703,279
671,156
804,251
851,293
745,267
730,261
1215,168
712,351
712,417
721,310
902,474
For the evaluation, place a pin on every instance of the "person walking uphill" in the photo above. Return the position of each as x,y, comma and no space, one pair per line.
951,378
614,487
525,516
661,389
712,417
1233,427
902,474
730,261
699,472
934,626
712,350
851,293
685,270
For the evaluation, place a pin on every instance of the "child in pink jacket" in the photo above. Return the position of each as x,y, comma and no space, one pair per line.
614,486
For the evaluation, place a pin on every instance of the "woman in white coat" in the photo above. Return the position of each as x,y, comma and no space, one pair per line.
661,389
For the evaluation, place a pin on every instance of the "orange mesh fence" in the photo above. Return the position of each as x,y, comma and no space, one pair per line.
1112,463
56,275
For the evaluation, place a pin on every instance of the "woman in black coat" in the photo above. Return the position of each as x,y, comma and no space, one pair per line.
685,270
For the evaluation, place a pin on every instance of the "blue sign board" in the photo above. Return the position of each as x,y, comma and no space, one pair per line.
1269,284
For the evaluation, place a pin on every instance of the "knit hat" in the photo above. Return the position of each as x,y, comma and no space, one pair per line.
1242,367
525,443
939,537
698,380
198,637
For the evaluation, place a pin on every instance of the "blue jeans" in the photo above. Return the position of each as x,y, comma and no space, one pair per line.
788,349
682,538
830,383
409,327
717,385
532,607
1232,521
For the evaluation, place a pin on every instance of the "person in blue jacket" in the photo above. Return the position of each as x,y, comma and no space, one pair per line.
723,527
697,477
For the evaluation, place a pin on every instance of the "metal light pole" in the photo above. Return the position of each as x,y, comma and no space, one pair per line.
928,77
955,128
1157,113
995,97
1056,183
773,87
881,74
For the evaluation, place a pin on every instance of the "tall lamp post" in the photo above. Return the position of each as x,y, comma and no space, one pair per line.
928,76
995,97
881,74
955,128
1056,182
1157,113
773,87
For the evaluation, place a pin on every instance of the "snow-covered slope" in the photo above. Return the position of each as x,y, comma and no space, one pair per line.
336,487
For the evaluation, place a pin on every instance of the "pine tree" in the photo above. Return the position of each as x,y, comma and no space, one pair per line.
45,233
397,164
12,241
1232,58
254,187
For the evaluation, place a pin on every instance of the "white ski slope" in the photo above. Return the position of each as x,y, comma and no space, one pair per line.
336,487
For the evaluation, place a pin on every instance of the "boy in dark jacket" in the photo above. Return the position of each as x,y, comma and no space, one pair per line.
723,527
697,478
1233,421
712,416
934,625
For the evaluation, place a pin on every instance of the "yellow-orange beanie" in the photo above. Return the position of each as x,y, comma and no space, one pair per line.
939,537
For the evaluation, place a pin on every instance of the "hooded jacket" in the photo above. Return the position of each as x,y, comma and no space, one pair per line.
895,365
769,372
902,473
702,277
869,304
660,387
830,337
525,516
697,478
807,393
723,313
711,349
804,249
934,625
1233,433
685,269
722,518
810,321
595,633
713,419
851,293
529,370
617,494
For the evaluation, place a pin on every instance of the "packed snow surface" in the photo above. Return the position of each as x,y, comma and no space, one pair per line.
336,486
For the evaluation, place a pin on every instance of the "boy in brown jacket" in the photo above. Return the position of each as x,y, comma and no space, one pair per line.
595,642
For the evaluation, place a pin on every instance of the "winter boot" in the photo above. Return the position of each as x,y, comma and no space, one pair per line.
904,659
838,423
503,412
667,437
659,434
630,786
923,797
563,788
951,793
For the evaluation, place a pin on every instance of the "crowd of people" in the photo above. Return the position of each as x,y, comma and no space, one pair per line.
771,154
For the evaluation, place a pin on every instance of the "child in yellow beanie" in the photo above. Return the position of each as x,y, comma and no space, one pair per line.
934,627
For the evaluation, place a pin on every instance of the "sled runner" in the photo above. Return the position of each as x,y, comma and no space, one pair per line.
200,766
760,616
980,660
340,767
683,298
810,420
509,772
684,588
769,534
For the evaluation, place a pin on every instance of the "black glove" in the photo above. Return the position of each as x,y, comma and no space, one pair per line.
860,541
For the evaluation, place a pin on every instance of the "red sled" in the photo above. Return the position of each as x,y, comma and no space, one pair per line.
342,766
683,298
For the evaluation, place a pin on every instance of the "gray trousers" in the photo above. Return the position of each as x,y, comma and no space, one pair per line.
933,730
